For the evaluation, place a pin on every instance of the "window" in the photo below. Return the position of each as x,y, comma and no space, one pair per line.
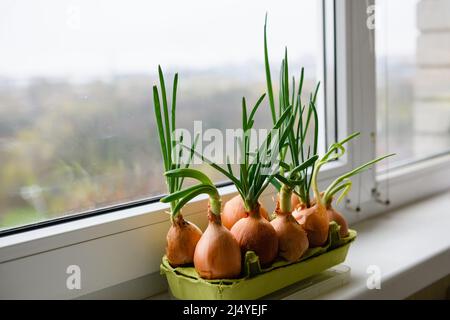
413,85
77,131
76,121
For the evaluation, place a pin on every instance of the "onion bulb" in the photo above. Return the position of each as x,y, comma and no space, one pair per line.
217,255
295,201
292,239
254,233
314,219
335,216
182,238
315,222
234,210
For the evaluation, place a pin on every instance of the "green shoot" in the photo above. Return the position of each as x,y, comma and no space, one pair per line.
343,183
302,115
181,197
166,125
254,176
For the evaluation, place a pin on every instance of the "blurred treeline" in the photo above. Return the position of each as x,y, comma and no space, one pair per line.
68,147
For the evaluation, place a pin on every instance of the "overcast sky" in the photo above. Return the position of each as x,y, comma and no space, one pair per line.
90,37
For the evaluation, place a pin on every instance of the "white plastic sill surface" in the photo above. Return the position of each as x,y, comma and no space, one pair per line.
410,245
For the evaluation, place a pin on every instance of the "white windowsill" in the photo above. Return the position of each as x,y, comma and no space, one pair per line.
410,245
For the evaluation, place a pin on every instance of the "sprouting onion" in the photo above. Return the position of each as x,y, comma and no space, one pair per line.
292,239
182,236
234,210
290,98
294,180
315,220
253,232
217,254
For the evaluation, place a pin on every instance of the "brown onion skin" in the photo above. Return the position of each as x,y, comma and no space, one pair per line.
234,210
182,238
295,201
315,222
255,233
217,255
334,215
292,239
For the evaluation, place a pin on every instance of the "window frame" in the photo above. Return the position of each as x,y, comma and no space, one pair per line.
133,239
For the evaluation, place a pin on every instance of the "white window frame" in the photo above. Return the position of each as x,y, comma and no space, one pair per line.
119,253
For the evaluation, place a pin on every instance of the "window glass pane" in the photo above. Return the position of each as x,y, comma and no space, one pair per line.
413,86
76,117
